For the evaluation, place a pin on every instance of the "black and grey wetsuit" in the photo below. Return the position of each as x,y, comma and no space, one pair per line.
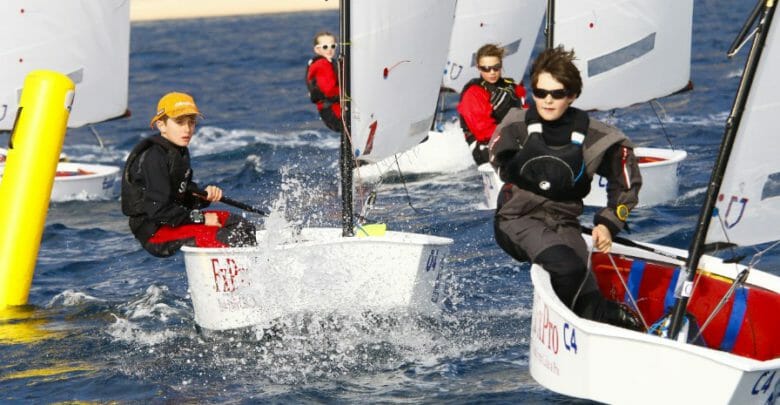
548,168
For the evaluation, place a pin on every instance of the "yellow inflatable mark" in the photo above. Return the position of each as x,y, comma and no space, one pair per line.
56,372
19,326
33,151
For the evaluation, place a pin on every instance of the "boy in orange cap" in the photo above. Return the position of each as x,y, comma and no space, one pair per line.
158,193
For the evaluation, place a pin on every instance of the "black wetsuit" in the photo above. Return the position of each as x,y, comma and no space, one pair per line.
157,191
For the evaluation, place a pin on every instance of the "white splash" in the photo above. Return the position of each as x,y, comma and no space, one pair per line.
70,298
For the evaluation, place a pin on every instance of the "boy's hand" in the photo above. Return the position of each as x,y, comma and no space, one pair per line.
214,193
602,238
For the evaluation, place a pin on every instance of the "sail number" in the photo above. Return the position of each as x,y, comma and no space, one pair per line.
764,383
569,337
547,332
432,264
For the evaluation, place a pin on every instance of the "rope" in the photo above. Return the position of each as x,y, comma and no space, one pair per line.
628,292
406,189
663,128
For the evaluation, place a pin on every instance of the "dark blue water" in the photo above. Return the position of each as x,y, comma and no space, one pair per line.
118,323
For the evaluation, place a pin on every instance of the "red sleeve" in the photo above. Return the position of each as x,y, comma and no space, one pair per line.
476,110
322,70
520,93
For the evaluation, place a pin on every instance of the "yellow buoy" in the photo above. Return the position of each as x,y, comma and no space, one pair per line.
30,167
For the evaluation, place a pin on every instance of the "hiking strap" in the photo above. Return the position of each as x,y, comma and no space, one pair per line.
737,315
669,299
634,280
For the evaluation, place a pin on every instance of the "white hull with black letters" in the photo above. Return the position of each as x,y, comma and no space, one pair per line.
316,272
600,362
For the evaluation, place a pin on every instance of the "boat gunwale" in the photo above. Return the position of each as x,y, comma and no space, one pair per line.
390,237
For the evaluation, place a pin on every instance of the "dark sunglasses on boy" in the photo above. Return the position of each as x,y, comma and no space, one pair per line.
556,94
326,46
494,68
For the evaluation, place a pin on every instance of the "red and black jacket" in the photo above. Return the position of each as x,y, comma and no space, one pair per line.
322,83
483,105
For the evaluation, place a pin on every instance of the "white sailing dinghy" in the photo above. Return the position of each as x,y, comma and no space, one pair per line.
476,23
78,180
628,52
391,81
89,41
736,309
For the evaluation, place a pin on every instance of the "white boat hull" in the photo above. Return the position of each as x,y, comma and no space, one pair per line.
319,271
82,181
592,360
659,179
441,152
91,182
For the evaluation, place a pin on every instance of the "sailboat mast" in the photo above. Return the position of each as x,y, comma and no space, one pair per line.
549,29
732,125
345,157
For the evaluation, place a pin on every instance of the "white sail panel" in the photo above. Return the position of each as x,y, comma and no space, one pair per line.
513,24
748,208
87,40
398,50
628,51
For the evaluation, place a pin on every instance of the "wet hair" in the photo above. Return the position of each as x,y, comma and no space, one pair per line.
559,63
490,50
321,34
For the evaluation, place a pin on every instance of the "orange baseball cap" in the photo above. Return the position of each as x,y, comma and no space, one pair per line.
174,105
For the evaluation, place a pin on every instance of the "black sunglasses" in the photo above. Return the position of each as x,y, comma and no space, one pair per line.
494,68
326,47
556,94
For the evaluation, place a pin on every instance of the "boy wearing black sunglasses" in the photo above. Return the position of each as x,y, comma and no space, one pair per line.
322,80
484,101
547,157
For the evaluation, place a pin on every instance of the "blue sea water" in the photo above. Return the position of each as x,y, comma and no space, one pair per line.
117,324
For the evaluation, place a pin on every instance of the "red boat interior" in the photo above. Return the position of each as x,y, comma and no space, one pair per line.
748,324
79,172
651,159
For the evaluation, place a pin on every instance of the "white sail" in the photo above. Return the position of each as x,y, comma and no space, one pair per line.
87,40
396,85
512,24
628,51
748,207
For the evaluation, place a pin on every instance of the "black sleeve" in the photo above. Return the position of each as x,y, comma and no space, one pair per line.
159,203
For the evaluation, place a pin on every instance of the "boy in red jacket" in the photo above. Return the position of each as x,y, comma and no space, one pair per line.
322,80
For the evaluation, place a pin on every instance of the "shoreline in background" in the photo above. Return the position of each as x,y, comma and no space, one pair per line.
149,10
